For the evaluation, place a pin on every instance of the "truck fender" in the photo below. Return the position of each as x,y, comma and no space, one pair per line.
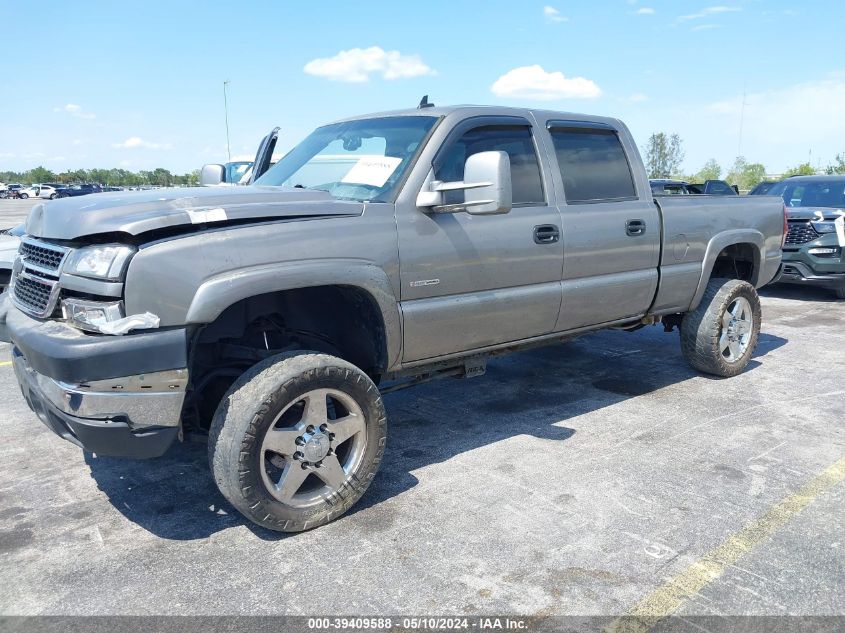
225,289
716,245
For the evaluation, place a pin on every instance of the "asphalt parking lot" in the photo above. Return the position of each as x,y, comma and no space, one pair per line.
579,479
13,212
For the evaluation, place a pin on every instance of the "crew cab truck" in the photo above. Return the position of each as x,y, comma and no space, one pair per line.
270,316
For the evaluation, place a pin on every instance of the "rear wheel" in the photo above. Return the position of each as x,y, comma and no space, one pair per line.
24,196
53,196
840,293
720,335
297,440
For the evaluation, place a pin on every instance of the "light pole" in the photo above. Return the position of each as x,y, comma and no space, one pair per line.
226,110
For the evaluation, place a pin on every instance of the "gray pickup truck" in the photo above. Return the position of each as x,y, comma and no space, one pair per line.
381,251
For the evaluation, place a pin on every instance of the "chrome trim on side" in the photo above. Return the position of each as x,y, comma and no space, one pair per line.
143,401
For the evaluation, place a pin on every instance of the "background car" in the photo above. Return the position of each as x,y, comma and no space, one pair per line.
813,252
762,188
670,187
79,190
9,242
39,191
11,191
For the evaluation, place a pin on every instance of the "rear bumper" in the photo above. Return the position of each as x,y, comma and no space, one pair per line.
795,272
58,406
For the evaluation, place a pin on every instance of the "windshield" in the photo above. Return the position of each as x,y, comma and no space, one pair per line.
356,160
819,193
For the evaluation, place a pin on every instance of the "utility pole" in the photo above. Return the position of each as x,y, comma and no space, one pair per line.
226,110
741,121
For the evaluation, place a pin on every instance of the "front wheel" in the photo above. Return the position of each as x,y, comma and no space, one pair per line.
24,196
720,335
297,440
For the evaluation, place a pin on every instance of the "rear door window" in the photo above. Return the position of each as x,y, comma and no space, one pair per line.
592,164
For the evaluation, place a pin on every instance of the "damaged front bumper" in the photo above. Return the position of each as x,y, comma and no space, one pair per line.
109,395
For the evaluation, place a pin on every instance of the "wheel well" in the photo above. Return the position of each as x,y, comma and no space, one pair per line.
340,320
737,261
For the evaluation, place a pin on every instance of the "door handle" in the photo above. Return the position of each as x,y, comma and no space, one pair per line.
546,234
635,227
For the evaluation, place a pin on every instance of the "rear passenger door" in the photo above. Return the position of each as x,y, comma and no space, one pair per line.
611,226
471,281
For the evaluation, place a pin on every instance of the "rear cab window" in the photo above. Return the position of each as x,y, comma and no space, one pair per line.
592,161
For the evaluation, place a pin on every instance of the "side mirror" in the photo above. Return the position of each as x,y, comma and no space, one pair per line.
212,175
487,183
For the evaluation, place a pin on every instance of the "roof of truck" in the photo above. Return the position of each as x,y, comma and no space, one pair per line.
483,110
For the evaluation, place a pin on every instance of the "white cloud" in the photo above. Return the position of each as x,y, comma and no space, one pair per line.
76,111
357,64
708,11
706,27
638,97
6,155
134,142
533,82
645,11
553,15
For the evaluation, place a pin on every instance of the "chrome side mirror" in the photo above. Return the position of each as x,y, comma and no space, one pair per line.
487,183
212,175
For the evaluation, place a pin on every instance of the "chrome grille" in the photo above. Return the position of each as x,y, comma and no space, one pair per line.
35,295
43,256
35,277
800,233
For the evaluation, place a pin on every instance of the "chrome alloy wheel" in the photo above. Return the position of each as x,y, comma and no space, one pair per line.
312,447
737,328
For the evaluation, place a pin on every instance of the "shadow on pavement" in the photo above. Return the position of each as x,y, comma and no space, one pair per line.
528,393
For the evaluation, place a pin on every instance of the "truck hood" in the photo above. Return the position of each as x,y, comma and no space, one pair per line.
813,213
137,212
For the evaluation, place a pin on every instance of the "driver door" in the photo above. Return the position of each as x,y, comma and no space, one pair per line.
473,281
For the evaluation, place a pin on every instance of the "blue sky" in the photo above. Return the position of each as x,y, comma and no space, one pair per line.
139,85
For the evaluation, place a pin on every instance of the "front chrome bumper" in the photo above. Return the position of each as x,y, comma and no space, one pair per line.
135,416
141,401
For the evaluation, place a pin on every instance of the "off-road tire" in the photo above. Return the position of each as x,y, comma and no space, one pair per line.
701,329
247,412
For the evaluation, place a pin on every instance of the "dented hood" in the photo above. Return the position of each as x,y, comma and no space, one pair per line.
137,212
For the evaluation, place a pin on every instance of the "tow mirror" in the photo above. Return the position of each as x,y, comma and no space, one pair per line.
212,175
487,186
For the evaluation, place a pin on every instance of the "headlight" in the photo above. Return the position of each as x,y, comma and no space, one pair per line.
824,227
105,317
99,262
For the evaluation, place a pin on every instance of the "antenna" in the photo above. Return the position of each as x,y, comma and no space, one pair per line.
424,103
226,110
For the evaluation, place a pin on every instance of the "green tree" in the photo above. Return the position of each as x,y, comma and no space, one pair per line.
711,171
40,174
746,175
664,155
837,167
804,169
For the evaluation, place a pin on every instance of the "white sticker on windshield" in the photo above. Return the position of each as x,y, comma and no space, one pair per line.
372,170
